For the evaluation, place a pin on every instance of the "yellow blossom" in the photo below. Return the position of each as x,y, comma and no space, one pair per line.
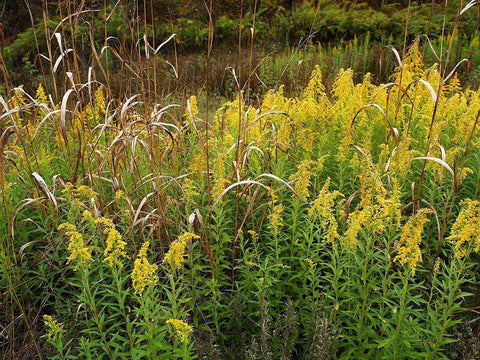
143,273
41,97
323,208
54,328
302,179
276,220
86,192
174,256
119,195
356,221
115,248
408,247
181,328
189,191
465,233
88,217
77,246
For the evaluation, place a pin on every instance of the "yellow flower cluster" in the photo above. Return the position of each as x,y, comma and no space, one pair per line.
174,256
119,195
466,230
115,248
143,273
302,179
356,221
220,182
40,96
408,247
189,191
86,192
77,246
181,328
323,208
276,220
54,328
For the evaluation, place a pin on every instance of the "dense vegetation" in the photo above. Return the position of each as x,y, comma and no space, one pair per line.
301,211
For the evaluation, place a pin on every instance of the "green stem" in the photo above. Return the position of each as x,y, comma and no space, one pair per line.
446,314
401,311
121,303
91,303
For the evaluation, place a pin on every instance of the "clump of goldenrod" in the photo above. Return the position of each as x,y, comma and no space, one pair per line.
408,247
275,217
276,220
119,195
220,182
115,246
86,192
356,221
323,208
80,253
54,328
174,256
143,273
181,328
302,179
189,191
466,230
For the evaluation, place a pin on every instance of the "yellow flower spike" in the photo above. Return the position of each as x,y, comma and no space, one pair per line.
174,256
276,220
80,253
408,247
220,182
119,195
465,233
181,328
115,247
86,192
323,208
356,221
40,96
88,217
143,273
54,328
302,179
189,191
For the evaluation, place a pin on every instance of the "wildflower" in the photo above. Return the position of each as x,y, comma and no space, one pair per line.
174,256
466,229
40,96
356,221
77,246
309,262
302,178
408,247
189,191
54,328
315,87
436,266
323,208
220,182
143,273
255,236
108,223
119,195
86,192
115,247
88,217
276,220
181,328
